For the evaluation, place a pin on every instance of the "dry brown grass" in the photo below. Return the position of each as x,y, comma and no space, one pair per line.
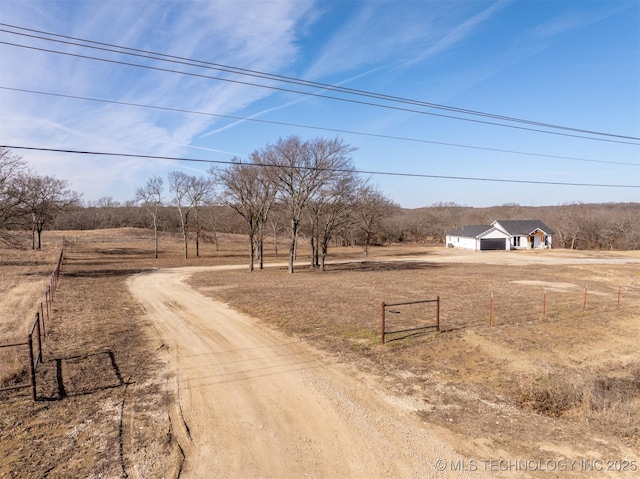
598,397
571,379
487,371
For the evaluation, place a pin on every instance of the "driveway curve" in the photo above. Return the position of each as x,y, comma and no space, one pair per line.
252,402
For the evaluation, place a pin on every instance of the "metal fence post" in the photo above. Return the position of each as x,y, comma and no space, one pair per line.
39,339
619,294
44,329
32,371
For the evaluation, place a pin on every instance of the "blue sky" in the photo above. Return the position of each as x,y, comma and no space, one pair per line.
567,63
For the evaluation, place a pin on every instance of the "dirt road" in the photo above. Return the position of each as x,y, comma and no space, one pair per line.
252,402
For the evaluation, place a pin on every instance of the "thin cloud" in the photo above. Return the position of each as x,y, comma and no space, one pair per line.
262,37
460,32
370,36
573,20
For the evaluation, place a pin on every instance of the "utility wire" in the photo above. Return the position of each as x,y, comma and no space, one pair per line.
281,78
191,63
336,170
297,125
312,94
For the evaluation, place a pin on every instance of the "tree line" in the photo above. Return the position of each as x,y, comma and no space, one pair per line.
28,200
292,188
581,226
299,186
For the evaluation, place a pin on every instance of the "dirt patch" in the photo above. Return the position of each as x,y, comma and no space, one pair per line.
551,286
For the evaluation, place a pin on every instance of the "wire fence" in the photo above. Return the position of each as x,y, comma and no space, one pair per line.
481,309
29,350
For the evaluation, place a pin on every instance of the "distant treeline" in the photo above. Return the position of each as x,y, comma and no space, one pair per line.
610,226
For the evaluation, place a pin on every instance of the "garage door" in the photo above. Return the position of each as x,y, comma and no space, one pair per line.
492,244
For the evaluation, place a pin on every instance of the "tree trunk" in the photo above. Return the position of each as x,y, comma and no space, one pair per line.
185,235
252,249
186,244
275,238
294,239
325,248
197,235
261,252
315,243
155,233
33,231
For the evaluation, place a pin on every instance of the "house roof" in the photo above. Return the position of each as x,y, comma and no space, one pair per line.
523,227
470,231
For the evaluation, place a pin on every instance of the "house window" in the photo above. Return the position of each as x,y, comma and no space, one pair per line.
516,241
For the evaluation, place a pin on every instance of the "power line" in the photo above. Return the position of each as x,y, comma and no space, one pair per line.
336,170
297,125
287,79
340,89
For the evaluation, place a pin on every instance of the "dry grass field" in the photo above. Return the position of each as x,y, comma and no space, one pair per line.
563,385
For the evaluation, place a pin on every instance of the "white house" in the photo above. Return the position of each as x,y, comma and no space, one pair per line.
501,235
526,234
478,238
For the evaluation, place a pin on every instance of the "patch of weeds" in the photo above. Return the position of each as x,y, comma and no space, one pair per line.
552,394
13,372
611,402
615,403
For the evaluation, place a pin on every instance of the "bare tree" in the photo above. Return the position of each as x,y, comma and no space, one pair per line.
179,183
567,227
12,194
277,223
151,197
45,197
249,192
371,207
331,212
299,169
212,220
199,193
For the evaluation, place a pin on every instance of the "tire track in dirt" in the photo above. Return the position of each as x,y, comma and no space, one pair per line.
256,403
